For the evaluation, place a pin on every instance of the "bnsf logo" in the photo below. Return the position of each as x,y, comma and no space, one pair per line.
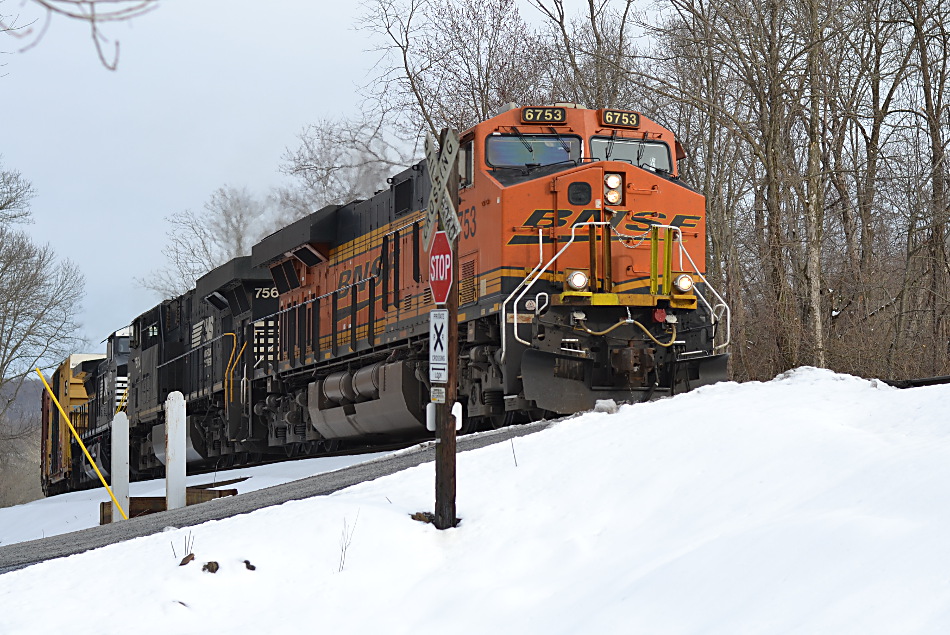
622,219
363,271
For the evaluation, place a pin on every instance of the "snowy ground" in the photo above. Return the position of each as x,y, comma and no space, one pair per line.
814,503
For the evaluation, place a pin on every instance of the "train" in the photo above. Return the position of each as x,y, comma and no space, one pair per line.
581,278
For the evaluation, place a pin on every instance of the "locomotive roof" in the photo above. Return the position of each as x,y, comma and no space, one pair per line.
233,271
318,227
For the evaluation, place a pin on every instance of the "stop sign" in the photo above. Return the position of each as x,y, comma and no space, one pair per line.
440,268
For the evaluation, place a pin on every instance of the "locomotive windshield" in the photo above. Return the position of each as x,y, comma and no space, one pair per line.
531,150
645,154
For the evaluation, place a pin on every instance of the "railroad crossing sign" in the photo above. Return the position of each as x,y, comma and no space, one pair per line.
438,347
440,203
440,268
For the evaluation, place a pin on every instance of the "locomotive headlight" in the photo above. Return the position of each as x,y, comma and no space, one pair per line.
683,283
577,280
612,184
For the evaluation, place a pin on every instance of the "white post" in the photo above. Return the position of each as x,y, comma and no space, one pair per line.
120,464
175,451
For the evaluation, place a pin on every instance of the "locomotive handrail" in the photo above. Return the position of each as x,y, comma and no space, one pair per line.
722,308
271,350
193,350
504,315
316,298
726,311
537,272
227,369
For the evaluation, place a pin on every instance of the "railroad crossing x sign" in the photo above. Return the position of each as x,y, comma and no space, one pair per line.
438,346
440,202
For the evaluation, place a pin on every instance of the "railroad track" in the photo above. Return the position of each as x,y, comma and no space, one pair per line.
24,554
914,383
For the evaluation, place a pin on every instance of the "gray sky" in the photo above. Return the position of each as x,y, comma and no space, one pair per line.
207,93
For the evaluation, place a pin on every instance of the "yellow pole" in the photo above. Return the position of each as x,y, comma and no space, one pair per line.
81,444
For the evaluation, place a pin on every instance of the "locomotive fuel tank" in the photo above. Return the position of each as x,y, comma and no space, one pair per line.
381,399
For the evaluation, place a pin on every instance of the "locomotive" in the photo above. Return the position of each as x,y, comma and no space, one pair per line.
581,258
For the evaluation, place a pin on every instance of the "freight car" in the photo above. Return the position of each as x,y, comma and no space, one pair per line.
91,388
581,278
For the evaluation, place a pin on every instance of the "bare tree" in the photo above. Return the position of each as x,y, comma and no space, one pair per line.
442,63
233,220
928,23
39,299
93,13
591,53
454,63
337,161
15,196
20,446
836,113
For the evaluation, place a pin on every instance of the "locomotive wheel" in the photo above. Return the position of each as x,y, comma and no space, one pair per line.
470,425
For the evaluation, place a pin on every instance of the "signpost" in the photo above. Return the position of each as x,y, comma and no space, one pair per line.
443,323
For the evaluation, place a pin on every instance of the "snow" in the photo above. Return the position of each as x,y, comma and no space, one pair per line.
80,510
813,503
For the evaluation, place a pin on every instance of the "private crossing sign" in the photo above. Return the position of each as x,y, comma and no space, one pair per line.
438,347
440,204
440,268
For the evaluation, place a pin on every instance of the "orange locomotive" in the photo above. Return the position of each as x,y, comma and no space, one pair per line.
581,278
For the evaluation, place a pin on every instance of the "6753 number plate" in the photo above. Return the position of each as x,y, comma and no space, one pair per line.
543,115
620,118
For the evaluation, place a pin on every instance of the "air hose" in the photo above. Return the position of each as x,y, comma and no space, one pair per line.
630,321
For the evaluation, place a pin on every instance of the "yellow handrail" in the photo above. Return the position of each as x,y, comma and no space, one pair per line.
81,444
227,369
237,360
125,396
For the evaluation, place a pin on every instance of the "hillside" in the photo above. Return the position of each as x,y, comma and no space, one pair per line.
20,458
811,503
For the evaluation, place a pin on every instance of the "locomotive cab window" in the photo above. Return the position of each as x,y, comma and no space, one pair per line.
466,165
653,155
145,336
531,150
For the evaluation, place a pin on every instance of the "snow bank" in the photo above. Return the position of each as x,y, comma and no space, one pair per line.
811,503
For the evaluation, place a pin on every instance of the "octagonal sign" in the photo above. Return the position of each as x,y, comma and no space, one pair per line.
440,268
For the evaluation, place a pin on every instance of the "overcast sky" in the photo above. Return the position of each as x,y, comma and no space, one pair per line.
207,93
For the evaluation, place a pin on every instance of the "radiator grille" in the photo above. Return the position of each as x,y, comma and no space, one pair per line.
467,288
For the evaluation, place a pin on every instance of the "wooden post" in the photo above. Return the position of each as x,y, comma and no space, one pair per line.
445,448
